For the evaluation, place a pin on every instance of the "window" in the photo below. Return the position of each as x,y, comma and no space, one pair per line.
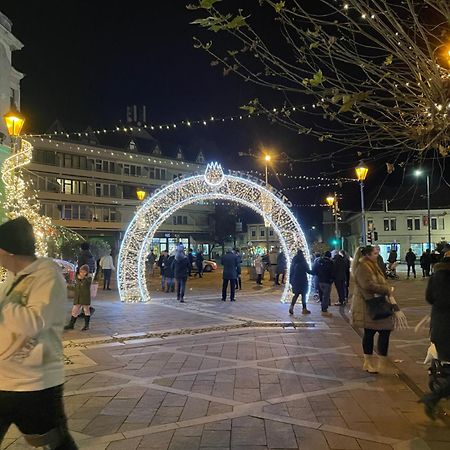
262,232
417,223
434,223
370,225
270,232
179,220
45,157
409,223
393,224
74,161
74,187
73,212
386,224
441,223
253,233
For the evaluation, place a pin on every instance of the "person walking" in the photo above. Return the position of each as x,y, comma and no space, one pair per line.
347,273
181,268
324,269
410,259
199,263
392,262
299,281
340,277
281,268
259,268
81,299
230,274
370,282
425,263
437,295
32,304
191,261
169,273
239,270
107,265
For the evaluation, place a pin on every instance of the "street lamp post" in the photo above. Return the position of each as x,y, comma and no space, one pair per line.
267,159
418,173
361,173
333,204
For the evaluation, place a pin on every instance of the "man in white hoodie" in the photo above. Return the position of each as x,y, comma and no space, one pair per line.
32,307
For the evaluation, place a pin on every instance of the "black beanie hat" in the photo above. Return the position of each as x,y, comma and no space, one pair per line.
17,237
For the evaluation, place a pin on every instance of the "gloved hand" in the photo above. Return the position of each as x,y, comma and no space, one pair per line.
400,321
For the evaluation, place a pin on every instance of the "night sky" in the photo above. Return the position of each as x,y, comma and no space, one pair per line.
85,61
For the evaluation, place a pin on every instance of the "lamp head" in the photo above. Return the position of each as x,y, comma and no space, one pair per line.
14,121
267,158
418,172
330,200
141,194
361,171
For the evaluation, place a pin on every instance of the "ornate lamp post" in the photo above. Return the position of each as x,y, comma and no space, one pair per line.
267,159
361,173
332,202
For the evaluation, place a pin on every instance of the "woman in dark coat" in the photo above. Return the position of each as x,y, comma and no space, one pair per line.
299,281
437,295
181,269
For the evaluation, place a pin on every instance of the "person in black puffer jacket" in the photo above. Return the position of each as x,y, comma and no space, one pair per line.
437,295
181,269
323,268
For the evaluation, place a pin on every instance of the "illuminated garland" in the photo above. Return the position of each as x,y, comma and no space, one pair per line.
304,177
211,185
18,201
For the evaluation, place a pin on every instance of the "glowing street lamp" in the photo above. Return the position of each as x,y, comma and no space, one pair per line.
330,200
14,121
361,173
267,159
333,204
141,194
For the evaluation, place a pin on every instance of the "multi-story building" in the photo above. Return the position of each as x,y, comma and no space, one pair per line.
9,85
92,188
397,229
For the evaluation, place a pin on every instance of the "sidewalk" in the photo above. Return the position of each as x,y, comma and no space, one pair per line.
241,375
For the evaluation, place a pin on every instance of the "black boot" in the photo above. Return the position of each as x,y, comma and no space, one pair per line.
71,324
87,319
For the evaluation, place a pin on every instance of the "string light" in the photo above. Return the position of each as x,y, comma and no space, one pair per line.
18,200
304,177
213,184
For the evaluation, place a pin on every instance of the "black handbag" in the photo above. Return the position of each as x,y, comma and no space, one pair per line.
379,307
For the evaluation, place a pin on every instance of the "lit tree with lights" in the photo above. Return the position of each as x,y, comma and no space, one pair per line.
366,74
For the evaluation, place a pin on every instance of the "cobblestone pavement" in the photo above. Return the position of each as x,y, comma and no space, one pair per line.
241,375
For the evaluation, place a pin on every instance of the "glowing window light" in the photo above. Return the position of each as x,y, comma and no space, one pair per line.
212,185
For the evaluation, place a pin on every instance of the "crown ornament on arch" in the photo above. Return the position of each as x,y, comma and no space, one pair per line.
214,175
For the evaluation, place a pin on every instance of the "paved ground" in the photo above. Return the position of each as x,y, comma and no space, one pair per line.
213,375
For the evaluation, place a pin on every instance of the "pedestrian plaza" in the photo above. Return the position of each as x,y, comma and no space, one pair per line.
209,374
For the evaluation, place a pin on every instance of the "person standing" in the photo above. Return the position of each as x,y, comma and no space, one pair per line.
324,269
425,263
169,273
31,353
107,265
239,270
410,259
281,268
380,261
81,299
181,268
370,282
347,273
162,263
392,262
191,261
199,263
230,274
259,268
340,277
437,295
299,281
86,257
151,258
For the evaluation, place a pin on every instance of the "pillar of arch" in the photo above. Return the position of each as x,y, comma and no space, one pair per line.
213,184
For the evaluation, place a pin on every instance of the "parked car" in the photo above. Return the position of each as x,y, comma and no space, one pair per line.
68,269
208,265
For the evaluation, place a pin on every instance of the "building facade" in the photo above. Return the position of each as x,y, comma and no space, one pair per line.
400,230
92,189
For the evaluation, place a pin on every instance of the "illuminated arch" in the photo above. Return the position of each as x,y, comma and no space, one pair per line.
211,185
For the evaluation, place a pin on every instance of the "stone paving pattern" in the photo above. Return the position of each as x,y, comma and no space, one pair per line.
258,387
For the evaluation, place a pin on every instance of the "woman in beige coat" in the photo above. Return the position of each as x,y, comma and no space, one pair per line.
370,282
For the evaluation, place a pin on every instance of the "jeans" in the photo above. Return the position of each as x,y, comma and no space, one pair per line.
163,280
324,294
181,287
239,282
413,267
170,284
383,341
106,278
259,278
295,298
232,289
37,413
341,290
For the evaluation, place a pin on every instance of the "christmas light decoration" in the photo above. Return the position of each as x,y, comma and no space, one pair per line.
211,185
18,199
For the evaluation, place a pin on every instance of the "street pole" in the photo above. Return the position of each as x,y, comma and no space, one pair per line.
363,215
267,228
429,212
336,227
